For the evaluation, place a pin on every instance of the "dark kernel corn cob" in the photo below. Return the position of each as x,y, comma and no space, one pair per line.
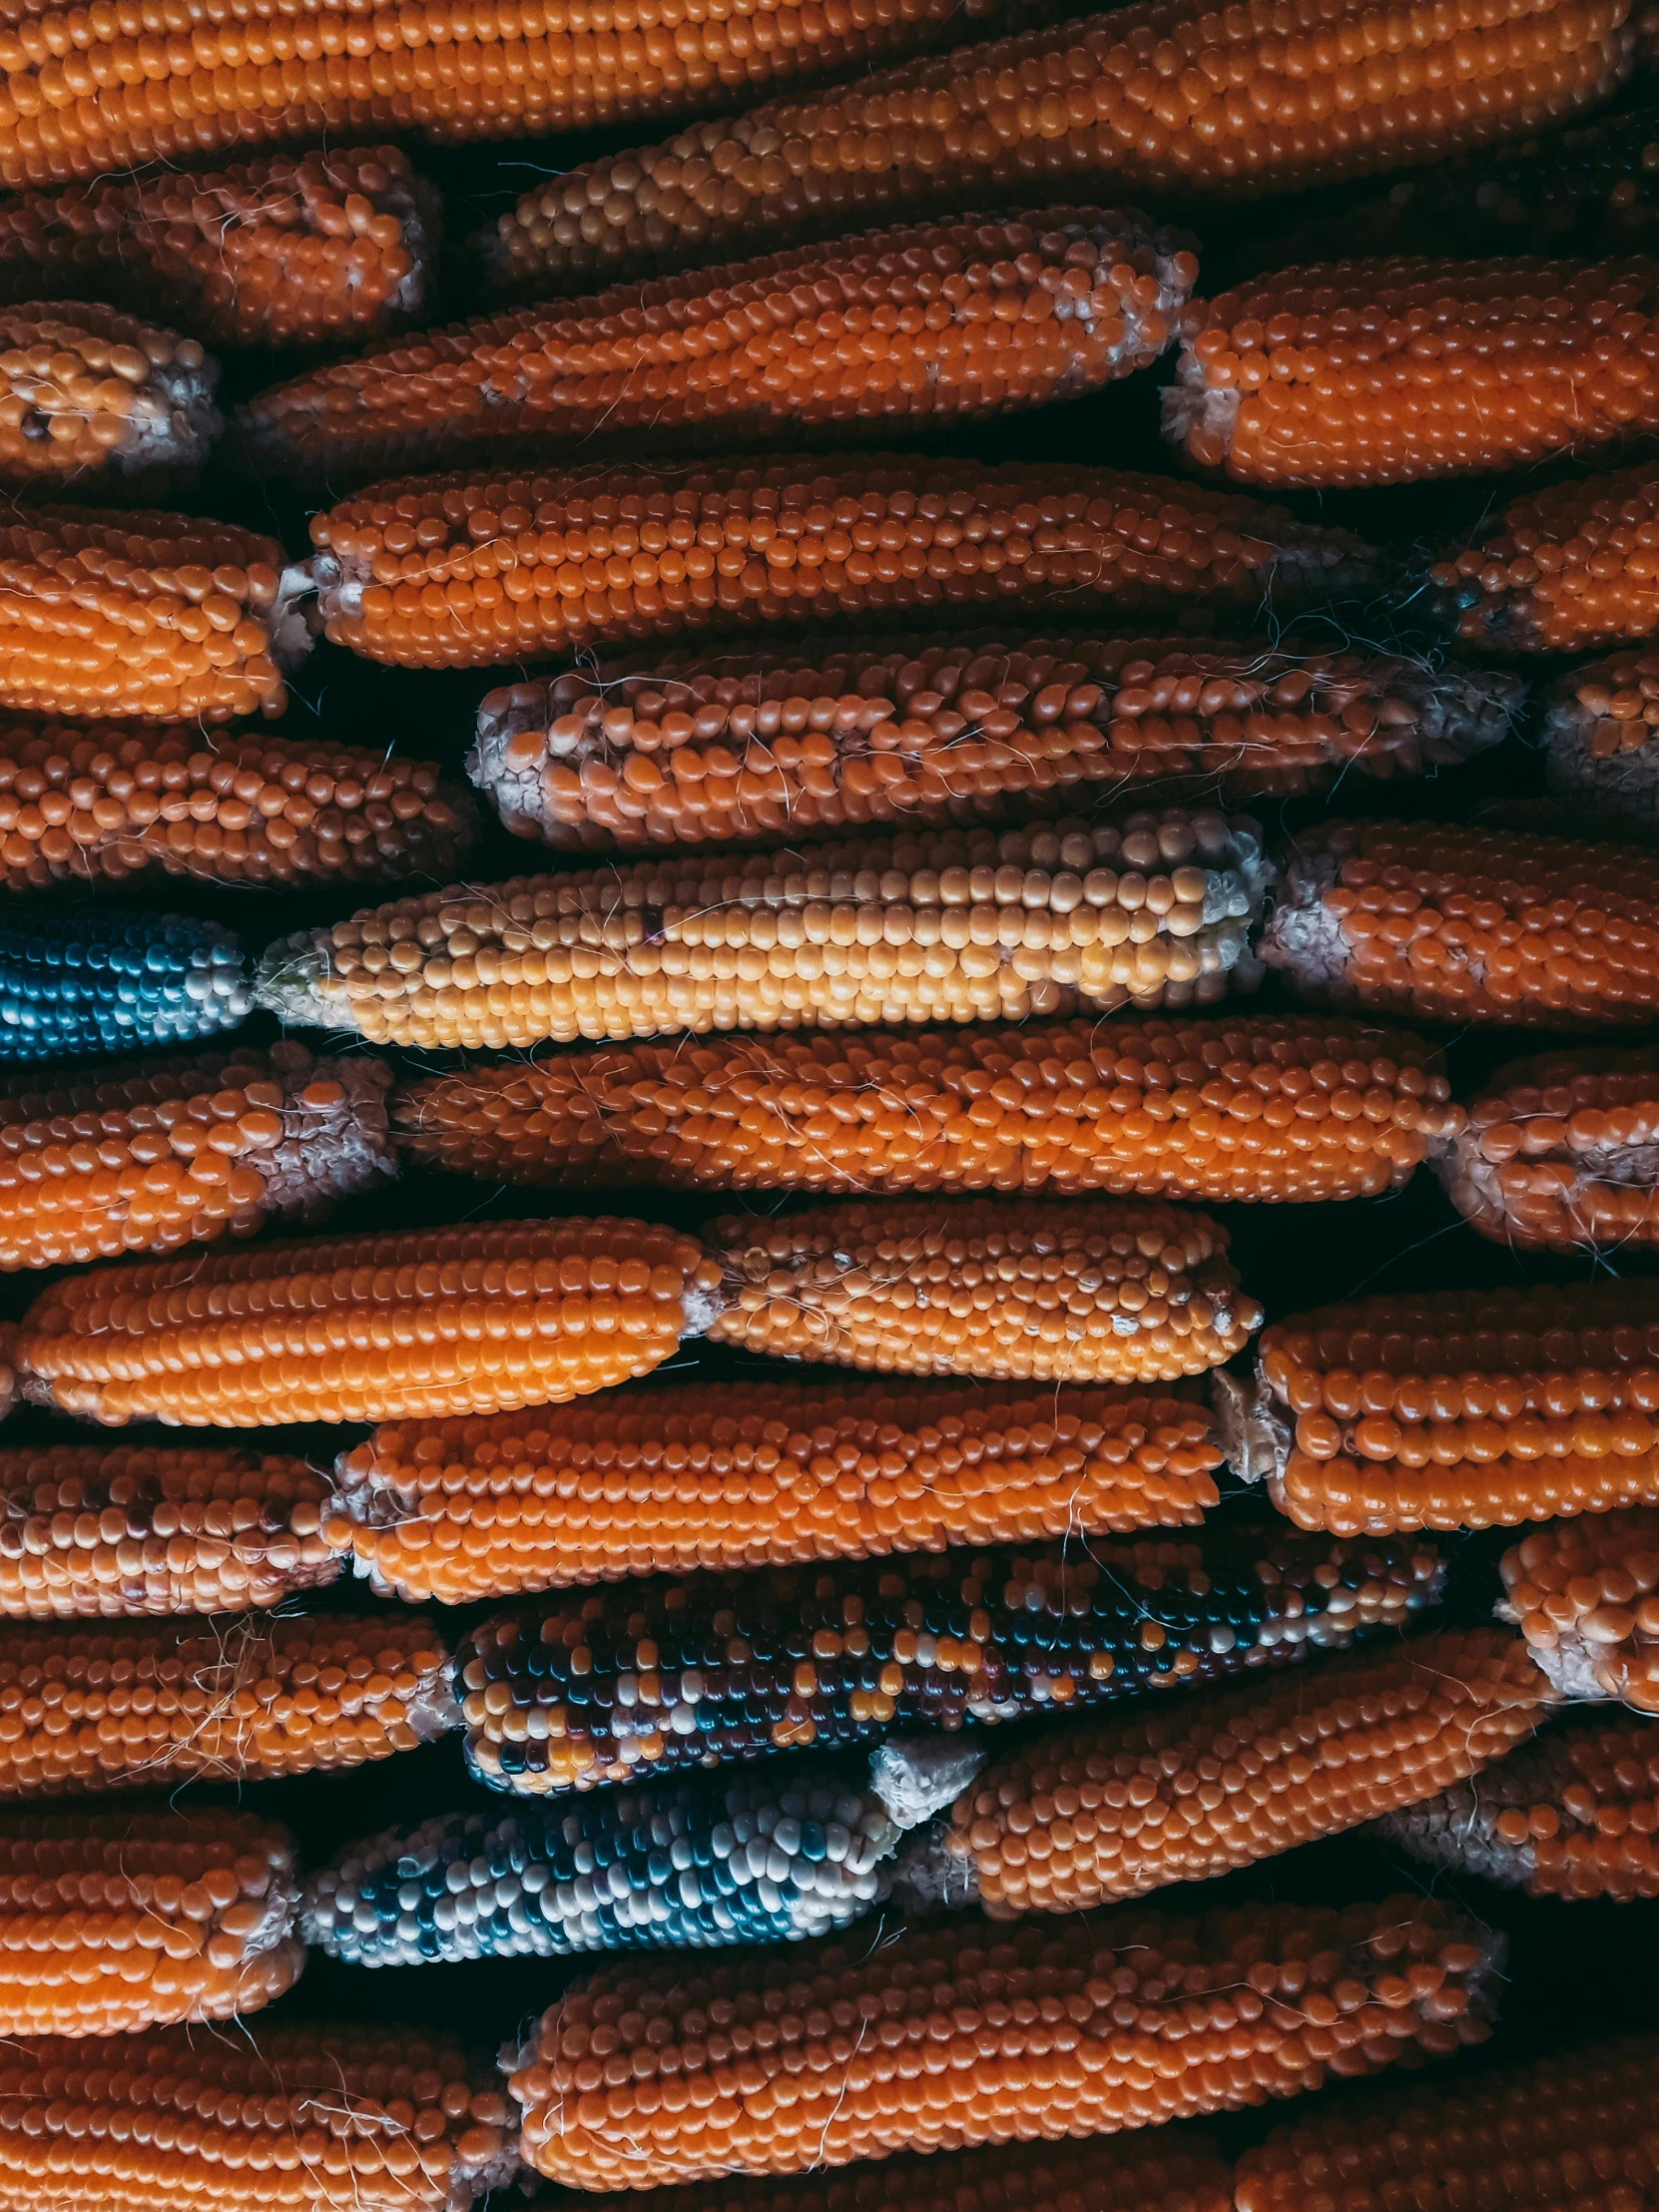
1585,1594
1452,1410
1234,1108
724,749
249,1699
1560,570
881,329
1600,728
1105,1807
1452,924
102,983
644,1678
114,1922
469,570
932,926
101,397
1024,2034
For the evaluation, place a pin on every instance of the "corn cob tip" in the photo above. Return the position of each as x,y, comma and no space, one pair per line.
1599,732
103,983
88,394
1585,1593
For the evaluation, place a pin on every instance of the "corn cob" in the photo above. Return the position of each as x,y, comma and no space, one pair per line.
1162,97
1025,2034
145,614
1107,1808
1573,1814
1560,570
1557,2134
1452,1410
940,320
942,926
247,1699
1235,1108
317,249
96,398
439,1321
734,748
1451,923
1583,1593
467,570
613,1684
110,1923
305,2117
1598,732
107,983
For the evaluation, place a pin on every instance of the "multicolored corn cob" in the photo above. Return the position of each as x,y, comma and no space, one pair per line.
249,1699
147,614
1452,1410
1573,1814
1585,1594
96,398
963,2033
1235,1108
114,1922
106,983
469,570
726,748
425,1322
878,330
330,249
314,2117
1452,924
1106,1808
1560,570
614,1684
937,925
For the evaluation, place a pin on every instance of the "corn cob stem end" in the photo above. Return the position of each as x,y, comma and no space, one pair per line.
1254,1432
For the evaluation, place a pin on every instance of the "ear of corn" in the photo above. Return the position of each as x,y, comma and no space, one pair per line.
1020,2027
618,1683
1585,1594
94,396
1598,729
106,983
726,748
1560,570
469,570
112,1922
1451,923
137,1705
1234,1108
1103,1808
941,926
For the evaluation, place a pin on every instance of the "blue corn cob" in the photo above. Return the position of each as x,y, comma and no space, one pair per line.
111,982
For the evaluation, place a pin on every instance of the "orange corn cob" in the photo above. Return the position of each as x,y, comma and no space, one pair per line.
1234,1108
1585,1594
1599,729
113,1921
1573,1814
1098,1808
464,571
146,1155
1166,98
883,328
431,1321
249,1699
1451,923
668,1482
937,925
317,250
1025,2031
142,613
1560,570
1456,1409
1381,372
726,748
307,2117
99,397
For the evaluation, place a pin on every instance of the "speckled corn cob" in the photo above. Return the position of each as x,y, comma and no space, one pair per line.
114,1922
468,570
1108,1808
649,1678
881,329
1236,1108
1024,2031
317,249
93,397
142,612
1457,1408
439,1321
937,926
1560,570
109,983
1573,1814
142,1706
727,749
1451,923
1585,1593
